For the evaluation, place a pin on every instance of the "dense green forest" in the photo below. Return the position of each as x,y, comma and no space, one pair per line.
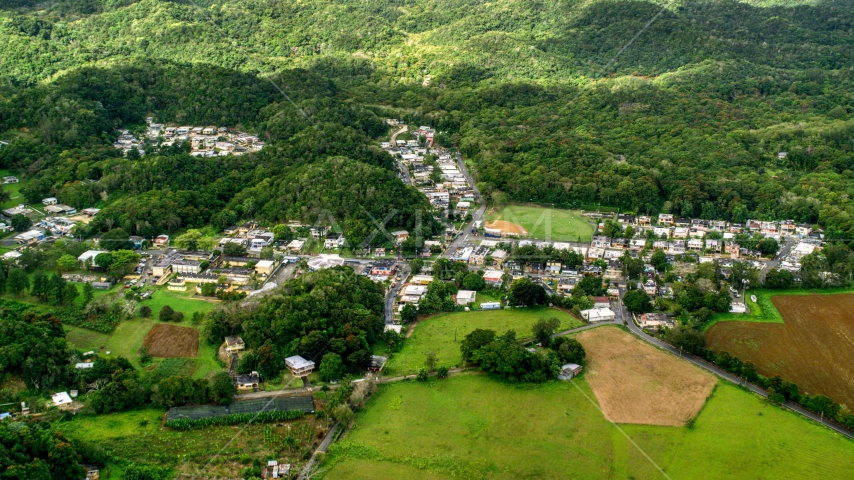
679,107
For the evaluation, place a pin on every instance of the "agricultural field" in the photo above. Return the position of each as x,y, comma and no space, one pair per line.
127,340
165,340
542,223
473,426
813,347
636,383
443,334
137,436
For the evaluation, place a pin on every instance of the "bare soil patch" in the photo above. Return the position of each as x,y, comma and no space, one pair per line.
507,228
636,383
164,340
814,347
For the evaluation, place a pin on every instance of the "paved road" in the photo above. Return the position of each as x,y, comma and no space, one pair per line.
403,170
393,292
785,248
305,473
477,215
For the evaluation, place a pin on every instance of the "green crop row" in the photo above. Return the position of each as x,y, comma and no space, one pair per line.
233,419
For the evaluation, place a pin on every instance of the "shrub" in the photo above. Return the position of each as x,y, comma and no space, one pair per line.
166,313
145,311
442,372
422,375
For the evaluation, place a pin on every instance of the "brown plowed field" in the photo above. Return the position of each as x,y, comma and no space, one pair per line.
813,348
164,340
637,383
507,228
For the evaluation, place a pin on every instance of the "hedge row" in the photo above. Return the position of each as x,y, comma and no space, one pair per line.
233,419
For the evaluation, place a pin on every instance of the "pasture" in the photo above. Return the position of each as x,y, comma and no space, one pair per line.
473,426
165,340
443,334
544,223
636,383
813,347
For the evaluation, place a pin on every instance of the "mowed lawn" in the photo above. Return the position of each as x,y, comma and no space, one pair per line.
546,223
473,426
443,334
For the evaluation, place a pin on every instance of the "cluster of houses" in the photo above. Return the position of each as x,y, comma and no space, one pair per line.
449,185
206,141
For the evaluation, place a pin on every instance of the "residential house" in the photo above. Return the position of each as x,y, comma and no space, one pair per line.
768,227
421,280
677,247
553,267
644,221
10,179
680,232
803,230
637,244
383,267
649,287
248,381
568,371
713,245
400,235
377,363
334,240
295,246
682,222
264,267
30,237
626,219
61,400
754,225
499,257
661,232
299,366
493,277
594,315
49,201
234,344
537,268
717,225
655,321
787,227
478,256
601,302
665,219
161,240
466,297
695,244
733,249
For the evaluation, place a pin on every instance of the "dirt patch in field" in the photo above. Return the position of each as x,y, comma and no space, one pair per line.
636,383
164,340
507,228
814,347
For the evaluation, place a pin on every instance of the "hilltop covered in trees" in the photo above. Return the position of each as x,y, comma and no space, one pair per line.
690,119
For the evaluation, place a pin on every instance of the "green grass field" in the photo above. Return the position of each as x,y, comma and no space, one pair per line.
136,436
127,339
472,426
179,301
546,223
763,310
437,334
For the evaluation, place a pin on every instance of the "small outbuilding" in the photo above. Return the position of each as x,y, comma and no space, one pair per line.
568,371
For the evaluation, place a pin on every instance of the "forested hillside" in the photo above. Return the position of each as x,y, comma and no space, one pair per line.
647,106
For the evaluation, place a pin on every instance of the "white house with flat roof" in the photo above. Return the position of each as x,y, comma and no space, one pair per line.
299,366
